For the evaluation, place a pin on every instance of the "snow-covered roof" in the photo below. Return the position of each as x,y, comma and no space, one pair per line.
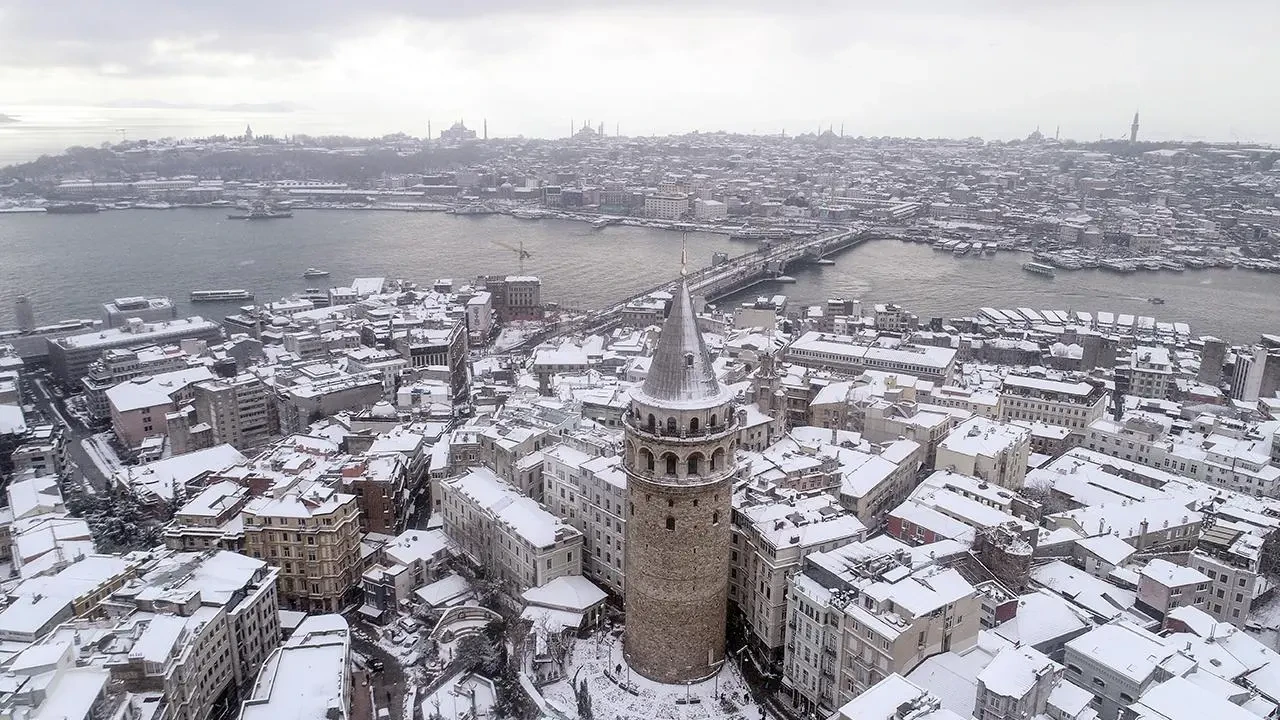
568,592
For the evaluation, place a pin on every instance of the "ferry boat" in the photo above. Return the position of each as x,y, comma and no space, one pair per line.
260,211
220,295
72,209
1156,300
824,261
784,279
473,209
753,234
602,223
1040,269
315,273
961,249
527,214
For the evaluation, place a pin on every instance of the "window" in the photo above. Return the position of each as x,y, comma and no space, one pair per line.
671,522
671,426
671,464
1099,682
693,426
715,519
652,423
694,464
1126,698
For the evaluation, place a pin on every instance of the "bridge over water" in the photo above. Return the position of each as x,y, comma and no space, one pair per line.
769,261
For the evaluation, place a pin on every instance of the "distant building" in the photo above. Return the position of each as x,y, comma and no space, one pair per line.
71,356
150,310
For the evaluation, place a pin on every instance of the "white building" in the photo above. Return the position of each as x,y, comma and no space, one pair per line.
308,678
1070,404
508,533
993,451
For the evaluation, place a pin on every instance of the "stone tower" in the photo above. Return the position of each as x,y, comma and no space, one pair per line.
681,434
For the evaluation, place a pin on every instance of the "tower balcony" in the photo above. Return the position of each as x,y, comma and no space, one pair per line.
680,434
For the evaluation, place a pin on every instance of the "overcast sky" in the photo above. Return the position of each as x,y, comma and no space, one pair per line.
1196,69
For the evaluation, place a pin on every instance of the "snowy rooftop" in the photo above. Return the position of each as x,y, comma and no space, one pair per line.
306,678
1171,575
154,390
162,476
886,700
568,592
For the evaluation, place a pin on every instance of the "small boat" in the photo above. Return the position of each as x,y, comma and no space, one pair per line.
315,273
784,279
1040,269
220,295
961,249
1156,300
824,261
601,224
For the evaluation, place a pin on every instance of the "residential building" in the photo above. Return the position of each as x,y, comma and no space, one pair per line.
773,532
1118,662
1072,405
312,534
139,406
306,678
512,536
988,449
864,611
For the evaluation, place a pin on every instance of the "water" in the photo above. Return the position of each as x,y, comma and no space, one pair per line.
69,264
1236,304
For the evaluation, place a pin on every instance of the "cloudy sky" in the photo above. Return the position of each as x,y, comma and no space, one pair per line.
996,68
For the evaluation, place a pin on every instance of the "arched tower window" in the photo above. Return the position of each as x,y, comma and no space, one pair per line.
713,420
671,522
715,518
670,461
717,458
646,459
693,426
688,359
653,423
695,464
671,426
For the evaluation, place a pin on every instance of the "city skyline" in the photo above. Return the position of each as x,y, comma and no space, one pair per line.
994,70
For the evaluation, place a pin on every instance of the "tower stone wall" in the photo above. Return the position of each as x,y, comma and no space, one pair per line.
681,437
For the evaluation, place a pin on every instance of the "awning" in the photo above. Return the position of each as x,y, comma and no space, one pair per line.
370,611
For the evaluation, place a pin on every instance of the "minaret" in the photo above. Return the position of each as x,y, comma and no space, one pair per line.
681,434
1133,129
486,128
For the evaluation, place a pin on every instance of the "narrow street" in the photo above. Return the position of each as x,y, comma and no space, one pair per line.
383,689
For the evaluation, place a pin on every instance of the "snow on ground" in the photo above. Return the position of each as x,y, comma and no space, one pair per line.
596,660
98,447
515,333
1264,622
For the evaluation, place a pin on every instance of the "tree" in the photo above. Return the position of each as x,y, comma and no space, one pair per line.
584,700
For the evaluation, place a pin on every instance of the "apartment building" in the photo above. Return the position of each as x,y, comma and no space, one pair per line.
861,613
512,536
1072,405
1164,586
1149,372
380,484
1215,450
312,534
210,519
308,677
988,449
231,604
118,365
238,411
589,492
1118,662
772,533
138,407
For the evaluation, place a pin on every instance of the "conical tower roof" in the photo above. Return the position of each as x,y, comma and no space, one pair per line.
681,374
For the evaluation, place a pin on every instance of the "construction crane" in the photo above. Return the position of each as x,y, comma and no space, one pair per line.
520,252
